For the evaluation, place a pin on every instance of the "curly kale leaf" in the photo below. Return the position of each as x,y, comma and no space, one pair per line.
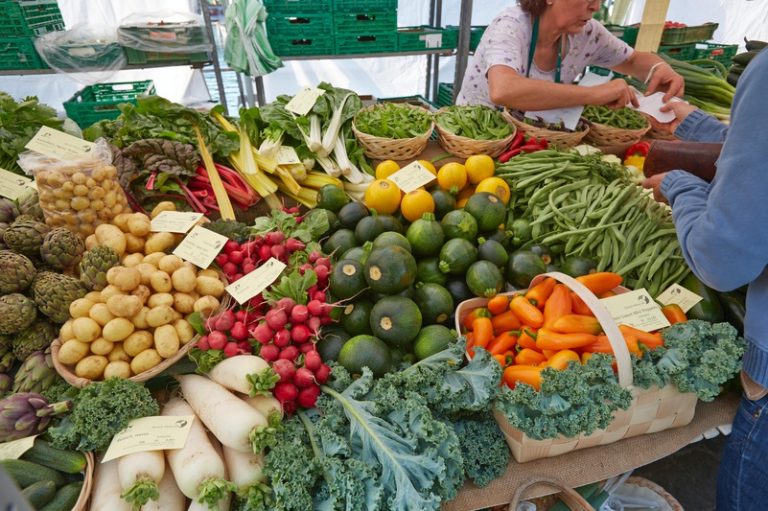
291,468
485,452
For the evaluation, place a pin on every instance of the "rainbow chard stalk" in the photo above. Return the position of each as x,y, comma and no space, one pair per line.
27,414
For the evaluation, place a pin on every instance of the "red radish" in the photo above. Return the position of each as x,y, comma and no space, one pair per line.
300,334
314,324
306,347
315,307
217,340
269,352
286,304
245,347
256,301
284,369
276,318
230,268
282,338
222,259
312,361
305,268
248,267
314,256
289,353
274,237
327,309
323,373
203,343
236,256
303,377
230,246
237,276
285,392
307,397
262,333
265,253
322,273
299,314
294,245
231,349
319,296
323,261
241,315
311,291
239,332
326,320
225,321
278,252
289,408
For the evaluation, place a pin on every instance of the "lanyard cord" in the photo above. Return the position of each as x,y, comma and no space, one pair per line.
532,50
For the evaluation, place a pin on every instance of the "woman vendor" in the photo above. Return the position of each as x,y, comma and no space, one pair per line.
531,53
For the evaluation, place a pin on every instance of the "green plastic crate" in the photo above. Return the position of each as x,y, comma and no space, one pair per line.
29,18
97,102
627,33
318,24
175,34
369,22
722,53
444,94
475,34
423,38
138,57
275,7
364,5
415,100
301,45
687,35
19,53
679,51
83,56
352,44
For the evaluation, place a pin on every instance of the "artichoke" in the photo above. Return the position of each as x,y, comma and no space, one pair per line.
29,204
94,267
61,248
7,358
6,382
232,229
17,312
27,414
53,292
8,211
36,374
36,337
25,236
16,272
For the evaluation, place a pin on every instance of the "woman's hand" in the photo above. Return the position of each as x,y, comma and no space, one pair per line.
664,78
654,183
614,94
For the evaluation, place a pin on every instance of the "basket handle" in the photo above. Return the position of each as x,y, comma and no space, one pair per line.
567,494
611,329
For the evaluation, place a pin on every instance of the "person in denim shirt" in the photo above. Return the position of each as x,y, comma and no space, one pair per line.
723,231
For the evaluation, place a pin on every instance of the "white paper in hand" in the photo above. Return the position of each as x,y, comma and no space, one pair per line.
652,104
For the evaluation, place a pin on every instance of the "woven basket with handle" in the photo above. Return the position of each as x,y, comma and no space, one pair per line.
464,147
379,148
560,139
85,492
652,410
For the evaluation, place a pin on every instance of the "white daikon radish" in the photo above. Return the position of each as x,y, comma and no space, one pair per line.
198,469
245,468
231,420
265,405
171,498
140,474
248,374
223,505
106,488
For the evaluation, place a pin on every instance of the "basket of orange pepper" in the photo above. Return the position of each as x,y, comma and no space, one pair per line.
560,321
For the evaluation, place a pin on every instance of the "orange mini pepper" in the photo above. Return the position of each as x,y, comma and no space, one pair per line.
479,312
650,340
601,345
526,312
529,357
674,313
600,282
579,307
585,357
515,374
483,330
539,293
577,324
503,343
561,359
527,339
498,304
550,340
559,304
507,320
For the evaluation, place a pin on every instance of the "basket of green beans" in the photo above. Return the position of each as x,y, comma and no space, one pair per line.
464,130
609,127
393,131
556,134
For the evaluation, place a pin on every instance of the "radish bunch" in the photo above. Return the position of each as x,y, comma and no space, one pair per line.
229,331
239,259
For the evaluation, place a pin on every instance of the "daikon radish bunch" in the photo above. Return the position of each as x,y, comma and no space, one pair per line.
140,474
247,374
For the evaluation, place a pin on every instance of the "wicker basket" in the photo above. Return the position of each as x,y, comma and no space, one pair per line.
379,148
652,410
561,139
463,147
604,135
85,492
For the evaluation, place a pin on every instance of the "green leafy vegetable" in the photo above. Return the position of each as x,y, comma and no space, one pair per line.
205,360
477,122
485,452
294,285
19,121
310,228
394,120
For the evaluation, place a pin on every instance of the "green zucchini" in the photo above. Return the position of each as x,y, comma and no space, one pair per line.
734,309
65,498
71,462
709,309
26,473
755,45
745,58
456,256
40,493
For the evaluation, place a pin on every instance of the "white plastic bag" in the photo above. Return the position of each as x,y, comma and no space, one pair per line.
164,32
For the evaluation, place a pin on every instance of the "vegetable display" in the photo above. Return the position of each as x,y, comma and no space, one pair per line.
624,118
393,120
476,122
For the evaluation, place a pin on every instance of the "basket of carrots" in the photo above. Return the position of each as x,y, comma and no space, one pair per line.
560,323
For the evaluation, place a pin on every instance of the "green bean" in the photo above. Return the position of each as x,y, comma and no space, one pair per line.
561,235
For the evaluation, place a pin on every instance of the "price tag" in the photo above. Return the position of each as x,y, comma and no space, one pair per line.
287,155
432,40
13,186
59,145
678,294
303,102
150,434
412,177
14,449
175,221
200,247
636,309
256,281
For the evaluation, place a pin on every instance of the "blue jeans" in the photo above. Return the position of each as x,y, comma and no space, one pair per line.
742,482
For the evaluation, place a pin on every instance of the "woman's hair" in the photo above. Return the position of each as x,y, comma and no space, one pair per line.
533,7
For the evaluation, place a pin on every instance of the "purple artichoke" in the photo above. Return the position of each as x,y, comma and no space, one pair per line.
27,414
6,382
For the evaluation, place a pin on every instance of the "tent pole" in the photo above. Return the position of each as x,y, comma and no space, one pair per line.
214,54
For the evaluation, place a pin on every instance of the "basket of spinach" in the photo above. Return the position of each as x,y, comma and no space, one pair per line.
393,131
614,126
556,134
464,130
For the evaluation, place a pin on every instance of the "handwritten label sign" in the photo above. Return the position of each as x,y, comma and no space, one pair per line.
678,294
287,155
59,145
175,221
303,102
200,247
636,309
412,177
256,281
13,186
14,449
150,434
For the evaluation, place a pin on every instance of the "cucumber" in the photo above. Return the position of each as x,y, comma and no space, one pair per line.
26,473
709,309
70,462
745,58
734,309
754,44
40,493
65,498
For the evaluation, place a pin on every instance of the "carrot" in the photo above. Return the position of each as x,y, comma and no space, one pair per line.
561,359
529,357
505,321
674,313
503,343
526,312
650,340
551,340
600,282
601,345
515,374
559,304
539,293
579,307
483,330
577,324
498,304
527,339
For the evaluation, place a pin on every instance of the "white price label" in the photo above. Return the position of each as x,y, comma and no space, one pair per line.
200,247
13,186
256,281
412,177
175,221
432,41
150,434
681,296
59,145
287,155
303,102
636,309
15,448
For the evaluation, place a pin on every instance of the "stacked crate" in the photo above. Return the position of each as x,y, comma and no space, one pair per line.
300,27
365,26
20,22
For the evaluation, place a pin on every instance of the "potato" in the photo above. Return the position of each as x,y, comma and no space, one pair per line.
166,341
117,369
161,282
184,330
154,259
162,206
208,273
139,225
170,263
72,351
183,303
146,270
100,314
124,306
134,244
121,220
177,315
143,292
101,346
86,329
159,242
145,361
117,329
132,260
137,342
206,305
160,315
125,279
159,299
91,367
66,332
95,297
110,291
80,307
210,286
118,353
140,319
112,237
184,280
91,242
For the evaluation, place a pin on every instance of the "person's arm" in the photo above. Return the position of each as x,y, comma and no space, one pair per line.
660,75
698,126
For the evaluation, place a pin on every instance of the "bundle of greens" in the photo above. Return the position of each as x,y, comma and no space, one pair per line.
19,121
477,122
394,120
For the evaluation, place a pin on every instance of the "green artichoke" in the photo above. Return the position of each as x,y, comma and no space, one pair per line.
7,358
61,248
232,229
94,267
36,337
6,382
8,211
27,414
17,312
25,236
53,292
36,374
29,204
16,272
